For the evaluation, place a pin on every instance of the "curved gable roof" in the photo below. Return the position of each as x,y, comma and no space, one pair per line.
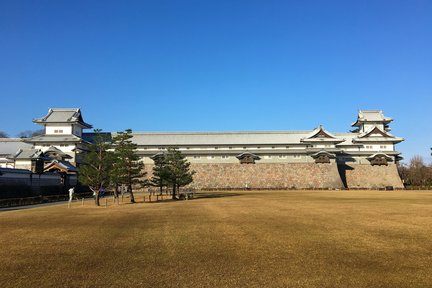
63,115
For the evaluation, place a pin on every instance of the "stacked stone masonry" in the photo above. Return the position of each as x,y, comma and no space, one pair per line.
372,177
291,176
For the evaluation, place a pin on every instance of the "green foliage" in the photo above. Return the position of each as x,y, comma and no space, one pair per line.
160,173
176,170
95,171
127,169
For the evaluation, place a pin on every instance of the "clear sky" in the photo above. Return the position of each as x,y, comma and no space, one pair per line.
219,65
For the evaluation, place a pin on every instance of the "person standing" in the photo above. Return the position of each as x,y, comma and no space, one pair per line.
71,194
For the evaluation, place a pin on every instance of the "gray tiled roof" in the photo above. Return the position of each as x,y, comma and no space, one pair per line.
14,170
63,115
371,116
331,138
62,164
24,154
54,139
365,133
9,146
217,138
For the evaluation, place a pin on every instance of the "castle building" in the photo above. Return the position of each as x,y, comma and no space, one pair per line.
63,133
316,159
363,158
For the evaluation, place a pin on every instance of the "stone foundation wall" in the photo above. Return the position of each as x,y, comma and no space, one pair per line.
372,177
265,176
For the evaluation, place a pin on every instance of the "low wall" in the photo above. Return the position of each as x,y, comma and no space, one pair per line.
363,176
18,183
265,176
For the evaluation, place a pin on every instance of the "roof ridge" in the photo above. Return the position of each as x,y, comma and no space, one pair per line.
219,132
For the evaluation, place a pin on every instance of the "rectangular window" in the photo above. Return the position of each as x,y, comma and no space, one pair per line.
197,157
297,156
224,157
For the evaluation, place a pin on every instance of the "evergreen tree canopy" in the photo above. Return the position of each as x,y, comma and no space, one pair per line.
160,172
95,171
127,169
177,169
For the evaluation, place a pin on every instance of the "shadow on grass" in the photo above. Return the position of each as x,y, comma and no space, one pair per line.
210,195
167,198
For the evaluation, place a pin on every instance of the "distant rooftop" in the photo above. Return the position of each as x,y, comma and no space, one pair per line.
9,146
26,154
371,116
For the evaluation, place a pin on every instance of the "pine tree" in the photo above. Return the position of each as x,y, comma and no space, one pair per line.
95,171
178,171
127,169
160,173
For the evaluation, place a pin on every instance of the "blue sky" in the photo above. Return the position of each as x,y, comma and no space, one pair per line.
219,65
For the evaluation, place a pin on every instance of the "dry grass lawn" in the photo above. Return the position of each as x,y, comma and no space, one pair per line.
225,239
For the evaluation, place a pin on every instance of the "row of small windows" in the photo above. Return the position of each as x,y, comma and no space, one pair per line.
266,157
58,131
371,147
244,147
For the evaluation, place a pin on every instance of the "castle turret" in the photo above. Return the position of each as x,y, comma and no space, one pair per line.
371,118
63,130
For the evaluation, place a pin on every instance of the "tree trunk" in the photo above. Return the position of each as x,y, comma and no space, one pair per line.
116,192
174,191
96,196
160,189
132,198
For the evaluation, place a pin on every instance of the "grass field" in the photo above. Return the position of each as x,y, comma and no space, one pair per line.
225,239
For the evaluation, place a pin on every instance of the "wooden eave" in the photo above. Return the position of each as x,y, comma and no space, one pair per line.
359,122
377,140
245,154
368,153
322,140
387,157
323,152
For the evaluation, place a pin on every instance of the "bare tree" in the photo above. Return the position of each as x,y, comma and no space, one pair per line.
3,134
30,133
416,173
